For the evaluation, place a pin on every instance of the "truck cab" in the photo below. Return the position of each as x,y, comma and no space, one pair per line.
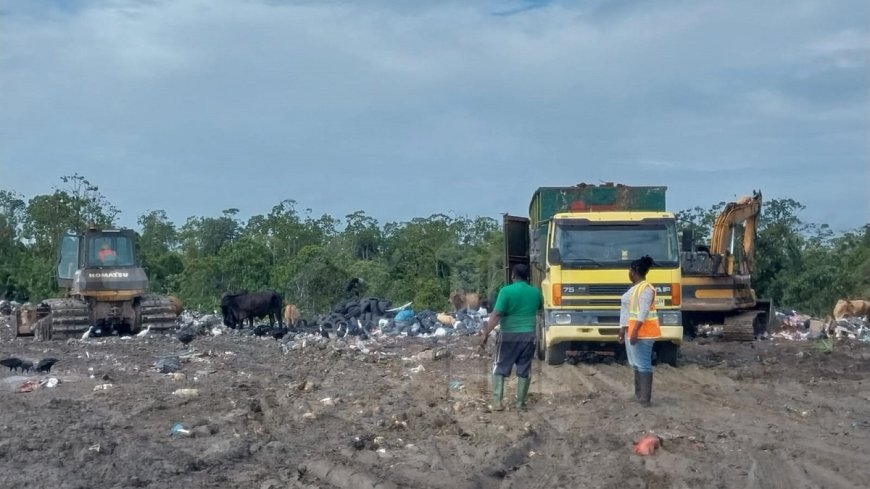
580,253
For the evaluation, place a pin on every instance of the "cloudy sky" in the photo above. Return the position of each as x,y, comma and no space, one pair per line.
406,109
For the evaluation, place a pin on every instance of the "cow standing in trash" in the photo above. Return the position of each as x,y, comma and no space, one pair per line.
238,306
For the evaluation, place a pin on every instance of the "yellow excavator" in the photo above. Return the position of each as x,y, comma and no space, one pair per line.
106,291
716,279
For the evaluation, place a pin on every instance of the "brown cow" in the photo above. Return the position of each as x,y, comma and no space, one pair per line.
291,315
176,304
851,308
457,299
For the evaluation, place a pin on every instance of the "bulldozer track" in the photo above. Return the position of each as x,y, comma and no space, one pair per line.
157,312
71,317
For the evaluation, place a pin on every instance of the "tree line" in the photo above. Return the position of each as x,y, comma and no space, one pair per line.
309,259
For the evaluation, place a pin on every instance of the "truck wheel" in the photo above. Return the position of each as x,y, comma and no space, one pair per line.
556,354
667,353
540,344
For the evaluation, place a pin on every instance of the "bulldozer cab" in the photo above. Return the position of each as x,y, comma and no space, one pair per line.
94,250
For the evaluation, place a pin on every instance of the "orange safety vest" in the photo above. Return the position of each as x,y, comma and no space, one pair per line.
650,327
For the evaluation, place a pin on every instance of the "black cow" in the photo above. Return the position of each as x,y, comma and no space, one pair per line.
238,306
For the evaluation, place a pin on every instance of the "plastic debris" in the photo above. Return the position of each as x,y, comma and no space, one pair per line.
647,445
28,386
168,364
103,387
186,392
179,429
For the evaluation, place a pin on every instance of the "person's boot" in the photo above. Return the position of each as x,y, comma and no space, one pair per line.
636,385
646,381
497,392
522,391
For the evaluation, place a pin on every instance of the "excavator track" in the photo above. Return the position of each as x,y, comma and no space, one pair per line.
740,327
156,312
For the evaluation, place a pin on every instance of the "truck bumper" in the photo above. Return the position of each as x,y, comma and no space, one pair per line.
555,334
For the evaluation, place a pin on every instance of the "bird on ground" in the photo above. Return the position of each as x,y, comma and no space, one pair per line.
144,332
185,337
45,364
87,333
279,333
12,363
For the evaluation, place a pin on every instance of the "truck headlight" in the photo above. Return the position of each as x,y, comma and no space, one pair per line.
670,318
561,318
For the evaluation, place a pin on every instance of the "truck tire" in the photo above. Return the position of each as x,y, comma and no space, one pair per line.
556,354
540,343
666,352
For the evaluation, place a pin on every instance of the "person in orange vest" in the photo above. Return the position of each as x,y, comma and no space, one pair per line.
639,321
107,254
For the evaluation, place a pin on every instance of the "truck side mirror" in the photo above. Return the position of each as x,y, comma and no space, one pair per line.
554,256
688,240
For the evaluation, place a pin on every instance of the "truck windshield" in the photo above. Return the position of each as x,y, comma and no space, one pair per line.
110,251
590,244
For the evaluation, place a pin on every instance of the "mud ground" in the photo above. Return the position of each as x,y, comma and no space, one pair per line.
772,414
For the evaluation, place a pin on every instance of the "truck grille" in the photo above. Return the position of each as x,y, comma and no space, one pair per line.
608,289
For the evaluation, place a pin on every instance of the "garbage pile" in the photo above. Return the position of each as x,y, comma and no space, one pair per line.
373,316
795,326
200,324
7,307
852,328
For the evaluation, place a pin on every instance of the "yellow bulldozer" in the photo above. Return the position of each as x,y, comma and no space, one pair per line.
716,279
105,291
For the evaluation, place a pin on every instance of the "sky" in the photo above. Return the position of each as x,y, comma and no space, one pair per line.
406,109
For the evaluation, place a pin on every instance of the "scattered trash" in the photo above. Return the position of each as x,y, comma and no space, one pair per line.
49,382
309,415
103,387
168,364
29,386
455,385
328,401
177,376
186,392
440,354
179,429
647,445
418,369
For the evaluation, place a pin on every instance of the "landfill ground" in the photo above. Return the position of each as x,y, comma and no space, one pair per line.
771,414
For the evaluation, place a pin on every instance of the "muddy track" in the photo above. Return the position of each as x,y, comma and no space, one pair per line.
759,415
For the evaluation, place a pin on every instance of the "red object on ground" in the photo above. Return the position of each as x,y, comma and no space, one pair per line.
29,386
647,445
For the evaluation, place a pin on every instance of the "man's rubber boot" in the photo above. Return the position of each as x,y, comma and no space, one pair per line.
636,385
646,381
522,391
497,392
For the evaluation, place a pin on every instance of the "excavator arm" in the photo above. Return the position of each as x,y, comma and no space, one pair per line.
745,210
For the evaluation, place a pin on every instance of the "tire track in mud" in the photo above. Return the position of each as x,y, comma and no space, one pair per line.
754,421
760,422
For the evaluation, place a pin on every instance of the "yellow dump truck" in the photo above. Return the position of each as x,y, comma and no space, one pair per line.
579,242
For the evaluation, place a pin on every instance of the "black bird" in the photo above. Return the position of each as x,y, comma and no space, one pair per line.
25,365
12,363
262,330
45,364
279,333
185,337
